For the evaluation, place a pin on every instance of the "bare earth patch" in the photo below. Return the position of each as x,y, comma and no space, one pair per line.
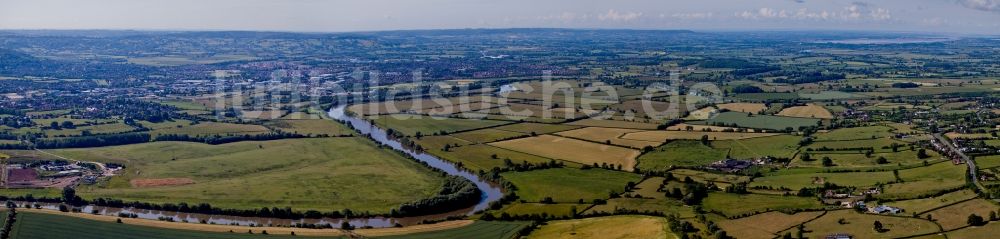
159,182
808,111
744,107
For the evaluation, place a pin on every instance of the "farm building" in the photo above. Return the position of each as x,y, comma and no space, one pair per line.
883,209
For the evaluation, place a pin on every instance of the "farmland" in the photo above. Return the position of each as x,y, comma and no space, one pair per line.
680,153
807,111
860,225
605,227
569,185
584,152
578,133
753,203
238,175
737,119
37,225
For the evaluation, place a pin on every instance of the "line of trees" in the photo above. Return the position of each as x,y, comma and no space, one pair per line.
221,139
93,141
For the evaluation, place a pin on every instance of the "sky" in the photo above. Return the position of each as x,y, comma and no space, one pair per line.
935,16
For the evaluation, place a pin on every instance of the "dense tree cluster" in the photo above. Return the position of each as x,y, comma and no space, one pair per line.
457,193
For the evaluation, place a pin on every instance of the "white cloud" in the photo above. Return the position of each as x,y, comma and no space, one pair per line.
984,5
881,14
853,12
689,16
614,15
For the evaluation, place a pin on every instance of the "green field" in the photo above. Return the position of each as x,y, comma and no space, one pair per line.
213,128
480,157
784,146
569,185
537,128
879,145
760,121
808,180
665,206
311,126
679,153
985,162
556,210
322,174
847,160
730,205
926,204
47,226
479,229
870,132
486,135
409,125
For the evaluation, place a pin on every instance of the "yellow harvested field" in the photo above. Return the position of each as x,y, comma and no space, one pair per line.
572,150
766,225
703,113
744,107
808,111
663,135
954,135
613,227
612,135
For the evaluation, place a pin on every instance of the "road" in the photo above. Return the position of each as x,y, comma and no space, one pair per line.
968,161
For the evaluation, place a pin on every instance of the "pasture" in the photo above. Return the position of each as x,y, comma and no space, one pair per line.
213,128
925,204
860,225
664,135
808,180
480,157
410,125
536,128
680,153
478,229
766,225
486,135
49,226
666,206
723,203
856,133
956,216
737,119
311,126
322,174
568,184
784,146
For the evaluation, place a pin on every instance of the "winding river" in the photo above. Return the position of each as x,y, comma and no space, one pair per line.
490,192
